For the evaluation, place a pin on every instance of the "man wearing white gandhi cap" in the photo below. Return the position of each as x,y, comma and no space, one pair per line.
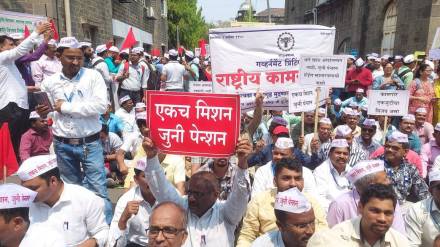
295,221
263,179
15,228
76,211
422,220
360,176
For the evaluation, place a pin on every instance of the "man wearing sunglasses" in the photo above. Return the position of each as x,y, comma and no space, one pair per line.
422,220
368,130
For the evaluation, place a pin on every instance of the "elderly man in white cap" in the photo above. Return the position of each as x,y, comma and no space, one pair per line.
47,65
260,217
112,59
127,114
295,219
364,173
16,229
263,179
408,184
37,140
132,212
405,72
431,151
368,130
133,77
313,142
173,73
359,99
422,219
330,175
373,228
360,77
424,129
72,208
357,153
79,97
99,64
352,117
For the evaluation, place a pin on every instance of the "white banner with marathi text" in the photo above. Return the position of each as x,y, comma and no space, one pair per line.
388,102
247,58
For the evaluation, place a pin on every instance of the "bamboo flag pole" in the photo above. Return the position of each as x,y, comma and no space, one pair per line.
385,128
318,90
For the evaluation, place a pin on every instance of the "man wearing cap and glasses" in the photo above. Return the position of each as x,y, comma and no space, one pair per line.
408,184
37,140
368,130
132,213
373,227
423,218
360,77
423,129
364,173
133,77
431,151
79,96
260,217
407,126
295,219
75,211
359,99
15,228
168,224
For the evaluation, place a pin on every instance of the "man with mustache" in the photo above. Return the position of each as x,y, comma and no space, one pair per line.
295,221
368,129
372,228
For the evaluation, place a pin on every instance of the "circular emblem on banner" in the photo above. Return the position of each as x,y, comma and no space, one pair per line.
286,41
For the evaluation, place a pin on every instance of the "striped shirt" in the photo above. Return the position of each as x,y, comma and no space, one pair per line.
357,153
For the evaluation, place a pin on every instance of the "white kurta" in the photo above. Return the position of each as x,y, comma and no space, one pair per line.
79,214
40,235
420,227
270,239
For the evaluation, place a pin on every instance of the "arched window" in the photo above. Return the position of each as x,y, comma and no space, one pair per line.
389,29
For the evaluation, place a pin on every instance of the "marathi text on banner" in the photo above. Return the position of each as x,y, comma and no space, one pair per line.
241,64
388,102
329,71
302,100
194,124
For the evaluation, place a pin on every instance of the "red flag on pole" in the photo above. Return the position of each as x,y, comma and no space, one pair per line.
180,50
155,52
8,162
129,41
26,31
202,44
54,29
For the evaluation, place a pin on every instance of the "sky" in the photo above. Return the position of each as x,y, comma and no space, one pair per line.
223,10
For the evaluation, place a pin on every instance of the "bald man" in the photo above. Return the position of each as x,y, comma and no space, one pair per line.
167,225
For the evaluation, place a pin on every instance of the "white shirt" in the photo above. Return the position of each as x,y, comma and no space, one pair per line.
174,72
85,99
131,142
137,77
306,148
377,72
129,120
269,239
263,180
102,68
79,214
34,237
112,144
44,68
218,224
329,183
12,85
420,228
136,225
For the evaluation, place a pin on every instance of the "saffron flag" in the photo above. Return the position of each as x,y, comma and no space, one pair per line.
54,29
129,41
26,31
8,162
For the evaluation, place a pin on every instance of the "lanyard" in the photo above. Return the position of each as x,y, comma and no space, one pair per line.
436,223
334,178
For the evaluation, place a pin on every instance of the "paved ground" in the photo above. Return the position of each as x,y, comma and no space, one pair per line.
113,193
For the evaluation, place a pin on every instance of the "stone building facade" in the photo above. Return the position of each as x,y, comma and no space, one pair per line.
99,21
382,26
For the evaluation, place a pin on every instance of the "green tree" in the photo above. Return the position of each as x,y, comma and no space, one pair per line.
189,19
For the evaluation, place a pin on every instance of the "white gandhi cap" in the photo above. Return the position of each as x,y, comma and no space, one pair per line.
15,196
292,201
69,42
339,143
343,130
398,136
364,168
35,166
434,175
284,143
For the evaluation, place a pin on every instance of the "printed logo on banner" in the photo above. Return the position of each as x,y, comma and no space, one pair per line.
194,124
286,41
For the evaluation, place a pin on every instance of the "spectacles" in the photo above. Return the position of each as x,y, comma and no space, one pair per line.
168,232
301,226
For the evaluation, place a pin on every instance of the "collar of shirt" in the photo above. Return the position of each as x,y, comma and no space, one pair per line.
77,77
356,234
35,133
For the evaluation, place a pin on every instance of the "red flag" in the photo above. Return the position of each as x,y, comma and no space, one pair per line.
202,47
155,52
26,31
54,29
109,44
7,154
129,41
180,50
